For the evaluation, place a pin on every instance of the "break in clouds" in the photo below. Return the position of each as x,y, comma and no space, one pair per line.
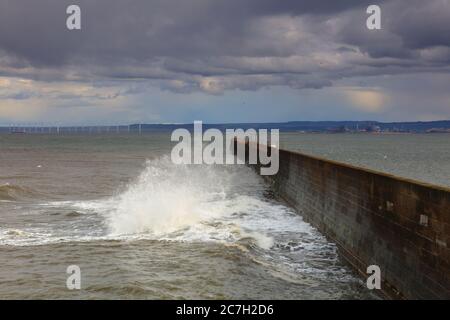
126,48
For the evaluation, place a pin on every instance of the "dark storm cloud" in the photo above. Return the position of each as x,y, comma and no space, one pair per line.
409,26
216,45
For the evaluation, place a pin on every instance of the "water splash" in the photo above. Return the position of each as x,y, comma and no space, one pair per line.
167,197
168,202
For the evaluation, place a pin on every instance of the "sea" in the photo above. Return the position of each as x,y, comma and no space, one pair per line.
140,227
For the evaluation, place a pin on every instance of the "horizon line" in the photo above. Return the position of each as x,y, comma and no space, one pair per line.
213,123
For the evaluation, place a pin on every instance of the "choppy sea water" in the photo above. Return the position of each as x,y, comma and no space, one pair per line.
140,227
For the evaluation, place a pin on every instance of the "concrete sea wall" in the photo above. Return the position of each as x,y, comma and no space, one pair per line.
400,225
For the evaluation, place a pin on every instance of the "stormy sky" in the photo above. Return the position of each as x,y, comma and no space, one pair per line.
160,61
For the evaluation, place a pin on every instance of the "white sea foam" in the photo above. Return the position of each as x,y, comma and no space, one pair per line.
202,203
167,197
186,203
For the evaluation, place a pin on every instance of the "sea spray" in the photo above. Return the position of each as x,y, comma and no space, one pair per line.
190,203
182,203
167,197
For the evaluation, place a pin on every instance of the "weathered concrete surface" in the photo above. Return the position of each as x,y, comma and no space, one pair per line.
403,226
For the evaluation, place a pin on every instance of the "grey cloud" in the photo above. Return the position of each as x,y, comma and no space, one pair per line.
220,45
407,26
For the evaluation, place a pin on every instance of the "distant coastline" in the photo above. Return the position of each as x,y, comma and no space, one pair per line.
442,126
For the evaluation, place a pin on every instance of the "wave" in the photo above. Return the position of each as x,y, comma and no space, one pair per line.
11,192
201,203
167,198
182,203
169,202
224,206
